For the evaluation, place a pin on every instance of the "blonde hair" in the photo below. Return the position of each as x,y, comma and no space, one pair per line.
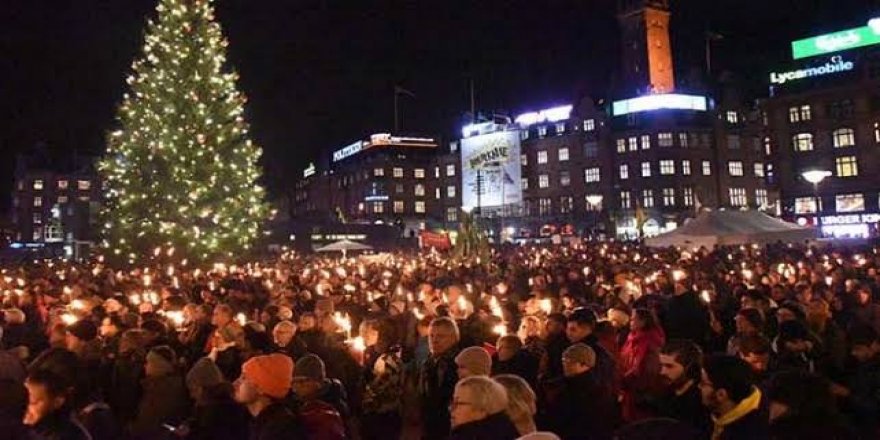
488,395
521,402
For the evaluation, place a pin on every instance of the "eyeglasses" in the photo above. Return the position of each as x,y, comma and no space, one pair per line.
457,403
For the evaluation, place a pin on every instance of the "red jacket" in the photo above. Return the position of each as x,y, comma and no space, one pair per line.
320,421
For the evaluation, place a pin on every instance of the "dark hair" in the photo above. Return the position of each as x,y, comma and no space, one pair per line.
583,316
862,334
56,385
731,374
756,344
649,319
155,326
513,339
756,296
805,394
13,399
686,353
557,317
604,328
754,317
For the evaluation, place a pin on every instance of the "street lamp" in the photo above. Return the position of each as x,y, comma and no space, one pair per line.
816,177
595,200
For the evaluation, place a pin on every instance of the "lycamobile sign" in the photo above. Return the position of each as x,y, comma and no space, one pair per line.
837,41
835,65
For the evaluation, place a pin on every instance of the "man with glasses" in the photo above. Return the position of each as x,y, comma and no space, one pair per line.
586,409
478,411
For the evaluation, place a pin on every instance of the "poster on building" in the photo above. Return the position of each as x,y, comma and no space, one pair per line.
490,170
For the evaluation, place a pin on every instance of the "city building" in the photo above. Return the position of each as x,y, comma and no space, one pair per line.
822,128
55,205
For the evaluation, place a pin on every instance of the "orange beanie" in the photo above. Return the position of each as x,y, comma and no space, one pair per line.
272,374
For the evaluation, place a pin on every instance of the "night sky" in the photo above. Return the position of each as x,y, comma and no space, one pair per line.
320,75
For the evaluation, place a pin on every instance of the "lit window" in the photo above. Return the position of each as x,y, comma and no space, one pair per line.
83,198
633,143
664,139
378,172
62,200
450,170
683,140
524,183
524,159
667,167
843,137
589,125
437,193
563,154
398,188
733,141
648,198
621,146
624,172
62,184
732,117
450,191
543,181
38,234
84,185
560,127
592,175
668,196
593,206
420,207
625,202
419,190
768,146
847,166
646,142
564,178
437,172
707,168
566,204
646,169
737,197
793,114
378,207
542,131
761,197
38,184
398,206
398,172
38,218
877,132
545,206
591,149
38,201
687,196
523,135
735,168
805,205
849,202
686,168
419,173
542,156
800,114
452,214
759,169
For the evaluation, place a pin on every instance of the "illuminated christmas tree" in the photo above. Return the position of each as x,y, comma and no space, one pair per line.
180,170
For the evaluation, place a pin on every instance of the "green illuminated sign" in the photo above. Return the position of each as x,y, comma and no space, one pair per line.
837,41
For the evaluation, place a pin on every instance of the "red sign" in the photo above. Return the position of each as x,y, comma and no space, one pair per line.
429,239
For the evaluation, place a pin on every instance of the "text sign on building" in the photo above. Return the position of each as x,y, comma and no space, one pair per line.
835,64
837,41
850,219
646,103
310,171
491,170
350,150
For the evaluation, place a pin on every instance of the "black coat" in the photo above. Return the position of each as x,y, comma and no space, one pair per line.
585,410
752,426
688,409
275,422
495,427
60,426
437,379
686,317
522,364
218,417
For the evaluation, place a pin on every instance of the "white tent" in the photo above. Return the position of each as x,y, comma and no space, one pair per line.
344,246
732,228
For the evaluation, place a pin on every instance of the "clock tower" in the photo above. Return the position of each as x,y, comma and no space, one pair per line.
647,53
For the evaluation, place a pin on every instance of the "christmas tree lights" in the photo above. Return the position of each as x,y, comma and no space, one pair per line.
180,171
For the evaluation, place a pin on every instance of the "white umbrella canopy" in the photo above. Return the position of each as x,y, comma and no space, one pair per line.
731,228
344,246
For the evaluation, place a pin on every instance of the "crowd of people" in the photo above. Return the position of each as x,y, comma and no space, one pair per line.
593,341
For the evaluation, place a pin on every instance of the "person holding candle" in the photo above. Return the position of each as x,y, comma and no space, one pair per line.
383,379
437,378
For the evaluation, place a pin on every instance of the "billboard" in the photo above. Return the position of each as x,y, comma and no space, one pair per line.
837,41
491,170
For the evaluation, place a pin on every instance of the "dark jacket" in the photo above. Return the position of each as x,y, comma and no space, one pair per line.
100,422
275,422
165,401
320,421
862,406
296,348
437,379
688,409
522,364
585,410
124,387
820,427
752,426
60,426
495,427
218,417
686,317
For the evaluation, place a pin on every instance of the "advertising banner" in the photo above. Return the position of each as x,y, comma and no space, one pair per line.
491,170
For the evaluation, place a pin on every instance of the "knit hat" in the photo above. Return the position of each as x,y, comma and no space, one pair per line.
163,358
84,329
476,360
793,331
204,373
272,374
310,367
